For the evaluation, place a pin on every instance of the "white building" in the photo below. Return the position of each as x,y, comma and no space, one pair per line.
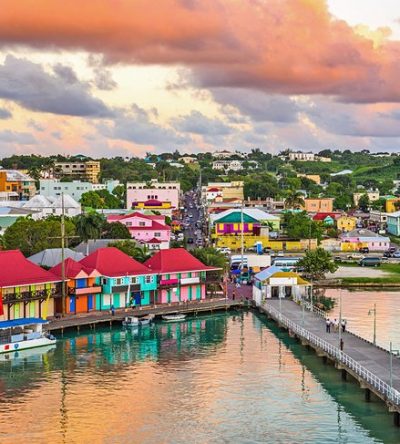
226,165
302,157
54,188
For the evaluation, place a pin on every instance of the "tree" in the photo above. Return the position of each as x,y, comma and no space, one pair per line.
115,230
91,199
363,203
211,257
300,226
260,186
89,226
129,247
294,200
317,263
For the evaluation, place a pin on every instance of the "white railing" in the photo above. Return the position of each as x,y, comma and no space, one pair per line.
382,387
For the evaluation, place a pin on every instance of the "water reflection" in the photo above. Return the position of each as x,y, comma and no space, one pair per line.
213,379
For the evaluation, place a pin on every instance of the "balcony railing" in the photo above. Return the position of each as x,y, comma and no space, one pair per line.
24,296
93,289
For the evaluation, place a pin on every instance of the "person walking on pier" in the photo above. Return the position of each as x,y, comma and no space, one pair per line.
335,325
343,325
112,310
328,325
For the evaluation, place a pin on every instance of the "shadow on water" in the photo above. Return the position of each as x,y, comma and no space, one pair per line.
349,397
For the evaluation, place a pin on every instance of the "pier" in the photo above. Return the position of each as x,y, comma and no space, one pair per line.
91,320
365,362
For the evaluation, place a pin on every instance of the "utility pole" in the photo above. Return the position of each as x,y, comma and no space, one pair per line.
373,311
340,318
241,233
63,292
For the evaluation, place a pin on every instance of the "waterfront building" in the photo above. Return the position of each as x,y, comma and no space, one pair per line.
322,205
87,170
154,196
124,280
393,223
26,290
83,287
274,282
181,276
17,184
362,238
145,228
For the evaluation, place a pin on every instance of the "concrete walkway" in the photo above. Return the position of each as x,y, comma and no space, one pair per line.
373,358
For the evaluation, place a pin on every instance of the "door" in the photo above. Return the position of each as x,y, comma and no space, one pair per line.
190,293
90,302
116,300
137,298
198,292
72,304
81,304
168,296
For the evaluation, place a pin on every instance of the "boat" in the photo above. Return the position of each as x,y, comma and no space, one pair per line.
20,334
131,321
174,317
146,320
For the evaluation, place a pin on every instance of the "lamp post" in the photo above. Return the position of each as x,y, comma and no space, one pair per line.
373,311
340,318
396,353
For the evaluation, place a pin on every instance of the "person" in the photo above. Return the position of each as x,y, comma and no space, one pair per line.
341,344
328,325
343,325
112,310
336,325
233,295
237,284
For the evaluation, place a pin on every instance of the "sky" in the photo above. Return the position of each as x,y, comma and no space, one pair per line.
127,77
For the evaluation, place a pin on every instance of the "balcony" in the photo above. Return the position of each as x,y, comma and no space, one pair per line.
190,281
95,289
168,283
26,296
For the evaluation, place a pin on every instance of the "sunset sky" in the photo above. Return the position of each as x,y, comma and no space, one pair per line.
123,77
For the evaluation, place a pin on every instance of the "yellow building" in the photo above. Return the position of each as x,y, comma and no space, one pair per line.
87,170
314,177
346,223
390,205
92,171
324,205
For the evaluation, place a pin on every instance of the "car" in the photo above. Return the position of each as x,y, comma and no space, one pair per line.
363,250
396,254
355,256
337,259
281,254
190,240
387,254
370,262
392,249
190,215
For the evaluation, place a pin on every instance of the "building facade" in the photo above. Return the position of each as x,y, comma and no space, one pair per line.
393,223
17,184
88,170
324,205
155,195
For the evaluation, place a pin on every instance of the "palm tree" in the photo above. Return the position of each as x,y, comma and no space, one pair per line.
294,200
89,226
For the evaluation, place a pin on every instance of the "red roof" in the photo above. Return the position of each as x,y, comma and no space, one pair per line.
213,190
323,216
16,270
110,261
72,269
153,241
155,225
175,260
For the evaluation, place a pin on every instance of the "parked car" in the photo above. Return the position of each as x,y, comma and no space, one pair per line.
364,250
190,240
396,254
387,254
281,254
370,262
224,250
355,256
337,259
392,249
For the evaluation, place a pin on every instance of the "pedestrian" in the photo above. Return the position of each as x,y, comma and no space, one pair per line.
233,295
343,325
328,325
112,310
335,325
341,344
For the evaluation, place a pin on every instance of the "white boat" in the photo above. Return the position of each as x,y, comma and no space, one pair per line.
174,317
146,320
20,334
131,321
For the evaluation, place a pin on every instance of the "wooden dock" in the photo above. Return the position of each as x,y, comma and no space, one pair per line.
365,362
91,320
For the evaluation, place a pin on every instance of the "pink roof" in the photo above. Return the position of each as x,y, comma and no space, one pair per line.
16,270
110,261
175,260
73,269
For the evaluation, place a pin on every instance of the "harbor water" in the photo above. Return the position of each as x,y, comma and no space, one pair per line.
223,378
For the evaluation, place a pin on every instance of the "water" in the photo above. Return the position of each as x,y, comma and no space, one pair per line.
355,308
218,379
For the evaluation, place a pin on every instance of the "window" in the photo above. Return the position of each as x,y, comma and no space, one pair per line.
128,224
118,281
104,281
134,280
149,279
157,234
142,224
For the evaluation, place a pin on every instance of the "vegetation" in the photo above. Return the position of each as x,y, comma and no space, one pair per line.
300,226
316,263
211,257
101,199
129,247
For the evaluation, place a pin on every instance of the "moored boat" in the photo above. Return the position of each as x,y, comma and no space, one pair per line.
131,321
20,334
146,320
174,317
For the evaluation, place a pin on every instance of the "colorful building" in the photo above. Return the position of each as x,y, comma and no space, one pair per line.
125,282
323,205
156,195
392,204
26,290
346,223
83,286
181,277
145,228
393,223
362,238
372,196
327,219
17,184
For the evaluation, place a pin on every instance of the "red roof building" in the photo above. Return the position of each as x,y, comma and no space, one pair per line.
175,260
74,270
323,216
112,262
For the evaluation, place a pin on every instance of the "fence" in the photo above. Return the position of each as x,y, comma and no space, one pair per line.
380,386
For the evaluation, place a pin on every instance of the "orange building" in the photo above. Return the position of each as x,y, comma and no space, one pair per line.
324,205
17,185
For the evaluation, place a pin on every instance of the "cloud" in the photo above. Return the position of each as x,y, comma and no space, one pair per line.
20,138
136,126
5,114
30,86
198,123
277,46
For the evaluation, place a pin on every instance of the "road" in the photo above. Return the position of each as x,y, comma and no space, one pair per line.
194,229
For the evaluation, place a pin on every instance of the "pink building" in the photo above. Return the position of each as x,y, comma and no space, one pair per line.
182,277
160,195
150,230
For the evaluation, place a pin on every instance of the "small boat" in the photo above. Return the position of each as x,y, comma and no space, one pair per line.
131,321
20,334
174,317
146,320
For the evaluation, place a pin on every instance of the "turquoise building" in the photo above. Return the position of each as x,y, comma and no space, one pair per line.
393,223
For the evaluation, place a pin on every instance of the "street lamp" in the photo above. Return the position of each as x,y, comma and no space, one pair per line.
373,311
395,353
340,318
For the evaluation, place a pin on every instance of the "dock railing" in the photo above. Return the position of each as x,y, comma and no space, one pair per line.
380,386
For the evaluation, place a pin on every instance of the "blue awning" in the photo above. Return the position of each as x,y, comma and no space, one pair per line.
21,322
